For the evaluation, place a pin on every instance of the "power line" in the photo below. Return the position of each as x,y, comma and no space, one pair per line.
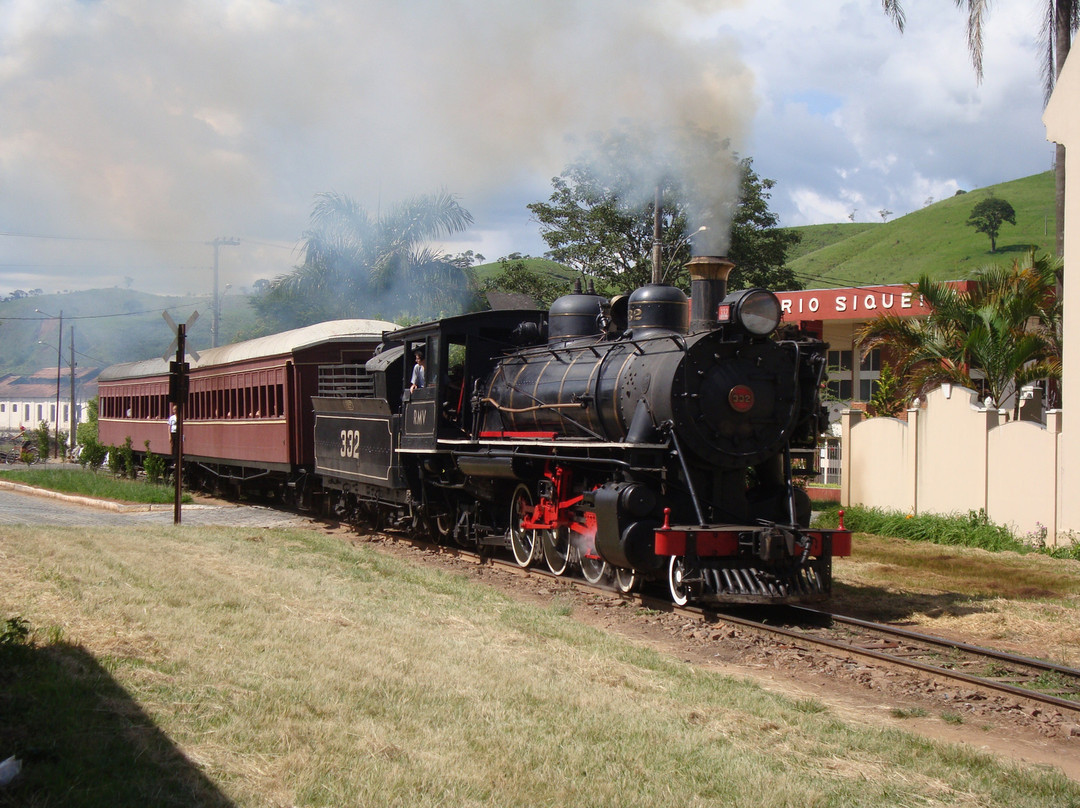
197,300
106,239
117,240
124,267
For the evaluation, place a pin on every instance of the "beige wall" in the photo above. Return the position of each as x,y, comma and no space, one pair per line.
953,456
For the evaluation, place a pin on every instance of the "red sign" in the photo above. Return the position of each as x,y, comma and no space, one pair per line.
741,398
855,303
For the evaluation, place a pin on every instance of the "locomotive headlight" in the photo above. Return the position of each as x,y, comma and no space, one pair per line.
757,311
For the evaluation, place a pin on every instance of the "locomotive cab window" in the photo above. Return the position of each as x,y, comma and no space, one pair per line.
454,383
422,368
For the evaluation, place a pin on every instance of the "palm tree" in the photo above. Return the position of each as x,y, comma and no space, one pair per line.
1005,327
1060,22
358,265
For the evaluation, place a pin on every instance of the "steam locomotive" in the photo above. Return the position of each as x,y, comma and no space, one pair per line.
641,438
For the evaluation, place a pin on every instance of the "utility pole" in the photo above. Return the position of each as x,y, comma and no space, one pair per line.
72,420
59,343
217,244
59,355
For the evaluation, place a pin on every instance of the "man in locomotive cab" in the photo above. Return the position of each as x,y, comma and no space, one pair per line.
417,379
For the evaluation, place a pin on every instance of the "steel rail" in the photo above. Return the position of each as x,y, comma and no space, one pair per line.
944,642
975,681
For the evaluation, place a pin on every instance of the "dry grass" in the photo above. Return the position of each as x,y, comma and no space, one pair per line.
287,668
1024,603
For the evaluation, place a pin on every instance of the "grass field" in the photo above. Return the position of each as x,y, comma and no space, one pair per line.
274,668
98,484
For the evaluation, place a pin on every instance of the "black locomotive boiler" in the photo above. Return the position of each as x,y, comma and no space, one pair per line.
641,438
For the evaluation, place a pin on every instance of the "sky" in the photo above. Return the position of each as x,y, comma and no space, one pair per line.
134,134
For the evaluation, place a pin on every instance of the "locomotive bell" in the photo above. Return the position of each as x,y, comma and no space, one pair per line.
708,287
657,306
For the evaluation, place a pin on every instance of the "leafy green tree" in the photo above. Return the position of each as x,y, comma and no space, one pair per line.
465,260
359,265
888,399
599,221
43,439
1061,18
759,246
515,276
989,215
1006,329
87,431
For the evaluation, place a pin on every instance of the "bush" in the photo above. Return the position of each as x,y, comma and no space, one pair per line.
92,455
153,465
113,461
86,433
14,631
43,438
122,460
973,530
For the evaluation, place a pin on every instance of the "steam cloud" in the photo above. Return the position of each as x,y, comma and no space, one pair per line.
188,120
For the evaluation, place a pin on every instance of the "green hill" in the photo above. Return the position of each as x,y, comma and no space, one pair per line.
541,266
935,240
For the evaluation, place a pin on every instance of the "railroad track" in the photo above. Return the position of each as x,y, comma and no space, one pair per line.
988,669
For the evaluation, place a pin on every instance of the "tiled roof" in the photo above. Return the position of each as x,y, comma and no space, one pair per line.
42,384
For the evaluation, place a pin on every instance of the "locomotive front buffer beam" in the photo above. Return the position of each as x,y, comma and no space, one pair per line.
761,563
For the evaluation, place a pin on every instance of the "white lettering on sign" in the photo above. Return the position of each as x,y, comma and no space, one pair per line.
853,301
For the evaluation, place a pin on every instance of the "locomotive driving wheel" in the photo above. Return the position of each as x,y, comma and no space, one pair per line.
680,592
593,569
625,580
556,546
522,540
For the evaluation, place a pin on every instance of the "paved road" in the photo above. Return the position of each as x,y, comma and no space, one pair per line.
17,507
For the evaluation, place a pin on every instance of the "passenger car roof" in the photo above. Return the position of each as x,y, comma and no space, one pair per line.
285,343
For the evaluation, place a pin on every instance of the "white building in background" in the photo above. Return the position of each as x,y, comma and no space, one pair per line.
26,401
1062,119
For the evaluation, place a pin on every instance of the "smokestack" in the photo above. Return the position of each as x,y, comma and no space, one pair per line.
708,288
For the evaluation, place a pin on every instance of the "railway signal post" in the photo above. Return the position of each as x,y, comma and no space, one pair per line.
178,389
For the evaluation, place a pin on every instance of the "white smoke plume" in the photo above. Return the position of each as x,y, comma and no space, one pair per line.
188,120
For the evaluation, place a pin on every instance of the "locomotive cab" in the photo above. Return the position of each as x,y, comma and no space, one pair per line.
459,352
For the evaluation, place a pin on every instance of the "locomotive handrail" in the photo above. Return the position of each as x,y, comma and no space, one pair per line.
669,427
680,341
580,404
599,461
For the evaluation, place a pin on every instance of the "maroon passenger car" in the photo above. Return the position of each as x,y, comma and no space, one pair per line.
248,421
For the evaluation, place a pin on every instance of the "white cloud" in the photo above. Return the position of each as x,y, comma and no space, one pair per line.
162,126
